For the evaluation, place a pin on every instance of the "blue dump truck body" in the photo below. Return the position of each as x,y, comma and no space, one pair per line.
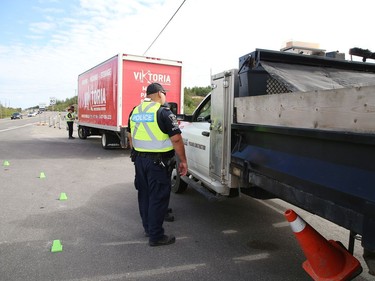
304,132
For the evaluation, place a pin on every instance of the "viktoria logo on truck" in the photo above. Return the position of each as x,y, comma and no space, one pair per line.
94,99
149,77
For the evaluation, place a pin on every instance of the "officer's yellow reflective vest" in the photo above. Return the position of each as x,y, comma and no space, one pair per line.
70,117
146,134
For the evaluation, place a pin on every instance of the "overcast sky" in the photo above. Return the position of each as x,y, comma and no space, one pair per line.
45,44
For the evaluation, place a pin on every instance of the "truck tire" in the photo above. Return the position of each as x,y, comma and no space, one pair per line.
110,141
82,133
177,184
105,138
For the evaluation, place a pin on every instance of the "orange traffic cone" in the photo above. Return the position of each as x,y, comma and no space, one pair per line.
326,260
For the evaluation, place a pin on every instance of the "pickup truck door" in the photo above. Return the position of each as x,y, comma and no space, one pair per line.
196,135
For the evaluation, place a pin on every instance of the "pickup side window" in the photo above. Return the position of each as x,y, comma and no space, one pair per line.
203,113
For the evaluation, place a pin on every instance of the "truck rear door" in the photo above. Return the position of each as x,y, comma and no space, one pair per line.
222,98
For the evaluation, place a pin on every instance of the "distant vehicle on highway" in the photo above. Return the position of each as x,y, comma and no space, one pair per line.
16,115
32,114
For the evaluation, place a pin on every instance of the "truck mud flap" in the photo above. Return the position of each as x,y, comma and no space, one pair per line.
123,138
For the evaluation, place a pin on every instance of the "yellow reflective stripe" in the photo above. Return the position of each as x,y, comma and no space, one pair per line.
149,146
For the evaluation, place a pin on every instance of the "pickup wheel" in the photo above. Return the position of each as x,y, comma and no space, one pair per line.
178,185
82,133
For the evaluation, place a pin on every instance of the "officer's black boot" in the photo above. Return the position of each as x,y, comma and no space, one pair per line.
168,217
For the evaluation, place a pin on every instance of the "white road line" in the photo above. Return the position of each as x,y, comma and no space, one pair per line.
16,127
124,243
281,224
272,207
144,273
256,257
230,231
135,242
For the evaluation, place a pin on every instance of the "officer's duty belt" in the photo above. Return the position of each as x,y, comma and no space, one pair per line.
154,155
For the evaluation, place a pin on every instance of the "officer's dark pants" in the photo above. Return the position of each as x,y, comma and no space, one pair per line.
154,187
70,128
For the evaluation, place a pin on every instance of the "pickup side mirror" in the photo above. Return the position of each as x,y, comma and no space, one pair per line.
173,107
184,117
204,119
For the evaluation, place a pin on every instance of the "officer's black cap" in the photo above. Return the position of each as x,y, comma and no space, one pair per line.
154,88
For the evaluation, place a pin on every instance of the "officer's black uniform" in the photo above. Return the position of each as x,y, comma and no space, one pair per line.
69,122
152,178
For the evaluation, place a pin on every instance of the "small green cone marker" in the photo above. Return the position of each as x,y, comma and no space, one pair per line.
6,163
56,246
63,196
42,175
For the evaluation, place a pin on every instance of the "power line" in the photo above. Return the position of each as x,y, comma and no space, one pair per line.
183,2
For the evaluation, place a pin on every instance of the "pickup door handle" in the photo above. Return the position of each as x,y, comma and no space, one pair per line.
206,134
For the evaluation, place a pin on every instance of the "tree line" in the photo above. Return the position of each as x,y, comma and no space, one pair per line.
193,96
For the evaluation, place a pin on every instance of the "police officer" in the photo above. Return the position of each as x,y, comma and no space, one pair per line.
70,116
155,138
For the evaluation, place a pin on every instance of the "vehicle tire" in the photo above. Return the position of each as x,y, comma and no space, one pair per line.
110,141
82,133
105,140
177,184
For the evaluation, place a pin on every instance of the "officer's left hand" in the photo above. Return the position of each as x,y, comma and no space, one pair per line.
182,168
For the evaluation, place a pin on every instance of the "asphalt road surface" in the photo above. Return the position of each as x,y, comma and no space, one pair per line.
100,228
